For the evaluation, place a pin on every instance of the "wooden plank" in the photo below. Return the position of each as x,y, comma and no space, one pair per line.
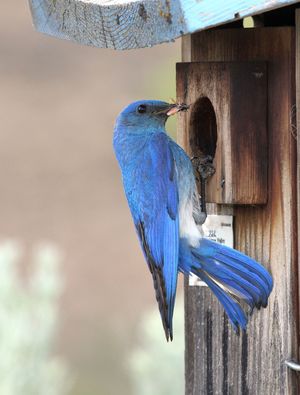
295,121
218,361
122,24
221,126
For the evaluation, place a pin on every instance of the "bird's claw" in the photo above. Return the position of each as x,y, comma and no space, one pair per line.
203,165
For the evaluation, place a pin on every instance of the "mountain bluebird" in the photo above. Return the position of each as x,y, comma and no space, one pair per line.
161,190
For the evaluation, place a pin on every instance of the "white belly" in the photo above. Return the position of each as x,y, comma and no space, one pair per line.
187,225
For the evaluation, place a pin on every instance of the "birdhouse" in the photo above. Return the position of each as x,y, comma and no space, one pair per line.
240,72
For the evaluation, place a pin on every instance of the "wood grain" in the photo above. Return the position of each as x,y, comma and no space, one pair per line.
295,122
228,121
218,361
130,24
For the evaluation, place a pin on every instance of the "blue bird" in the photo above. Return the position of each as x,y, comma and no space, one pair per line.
160,187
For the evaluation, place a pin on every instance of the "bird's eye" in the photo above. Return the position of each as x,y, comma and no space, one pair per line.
142,109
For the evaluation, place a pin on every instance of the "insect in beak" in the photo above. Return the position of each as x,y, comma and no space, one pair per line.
177,107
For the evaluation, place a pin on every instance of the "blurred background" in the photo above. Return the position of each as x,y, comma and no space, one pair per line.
77,311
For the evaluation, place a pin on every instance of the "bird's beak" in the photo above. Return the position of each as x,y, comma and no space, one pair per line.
177,107
171,109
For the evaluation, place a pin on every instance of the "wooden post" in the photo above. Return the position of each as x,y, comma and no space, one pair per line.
217,360
295,120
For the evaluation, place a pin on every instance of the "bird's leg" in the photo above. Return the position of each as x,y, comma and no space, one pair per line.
203,167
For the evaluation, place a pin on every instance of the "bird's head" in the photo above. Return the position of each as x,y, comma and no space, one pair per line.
149,113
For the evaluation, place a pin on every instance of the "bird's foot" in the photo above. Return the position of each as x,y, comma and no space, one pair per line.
203,166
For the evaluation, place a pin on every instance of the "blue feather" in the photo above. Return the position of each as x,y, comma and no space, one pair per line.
227,271
240,262
234,311
150,184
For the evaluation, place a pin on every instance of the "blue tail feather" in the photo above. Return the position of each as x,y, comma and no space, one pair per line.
230,278
231,275
248,264
234,311
252,277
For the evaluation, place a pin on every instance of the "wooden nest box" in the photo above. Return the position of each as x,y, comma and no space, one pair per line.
244,84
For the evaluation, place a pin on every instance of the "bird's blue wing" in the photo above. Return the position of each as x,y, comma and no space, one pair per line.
154,204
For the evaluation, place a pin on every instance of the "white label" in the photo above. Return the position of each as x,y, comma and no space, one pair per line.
217,228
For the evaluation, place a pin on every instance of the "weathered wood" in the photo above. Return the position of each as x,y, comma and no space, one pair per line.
228,125
121,24
295,122
218,361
